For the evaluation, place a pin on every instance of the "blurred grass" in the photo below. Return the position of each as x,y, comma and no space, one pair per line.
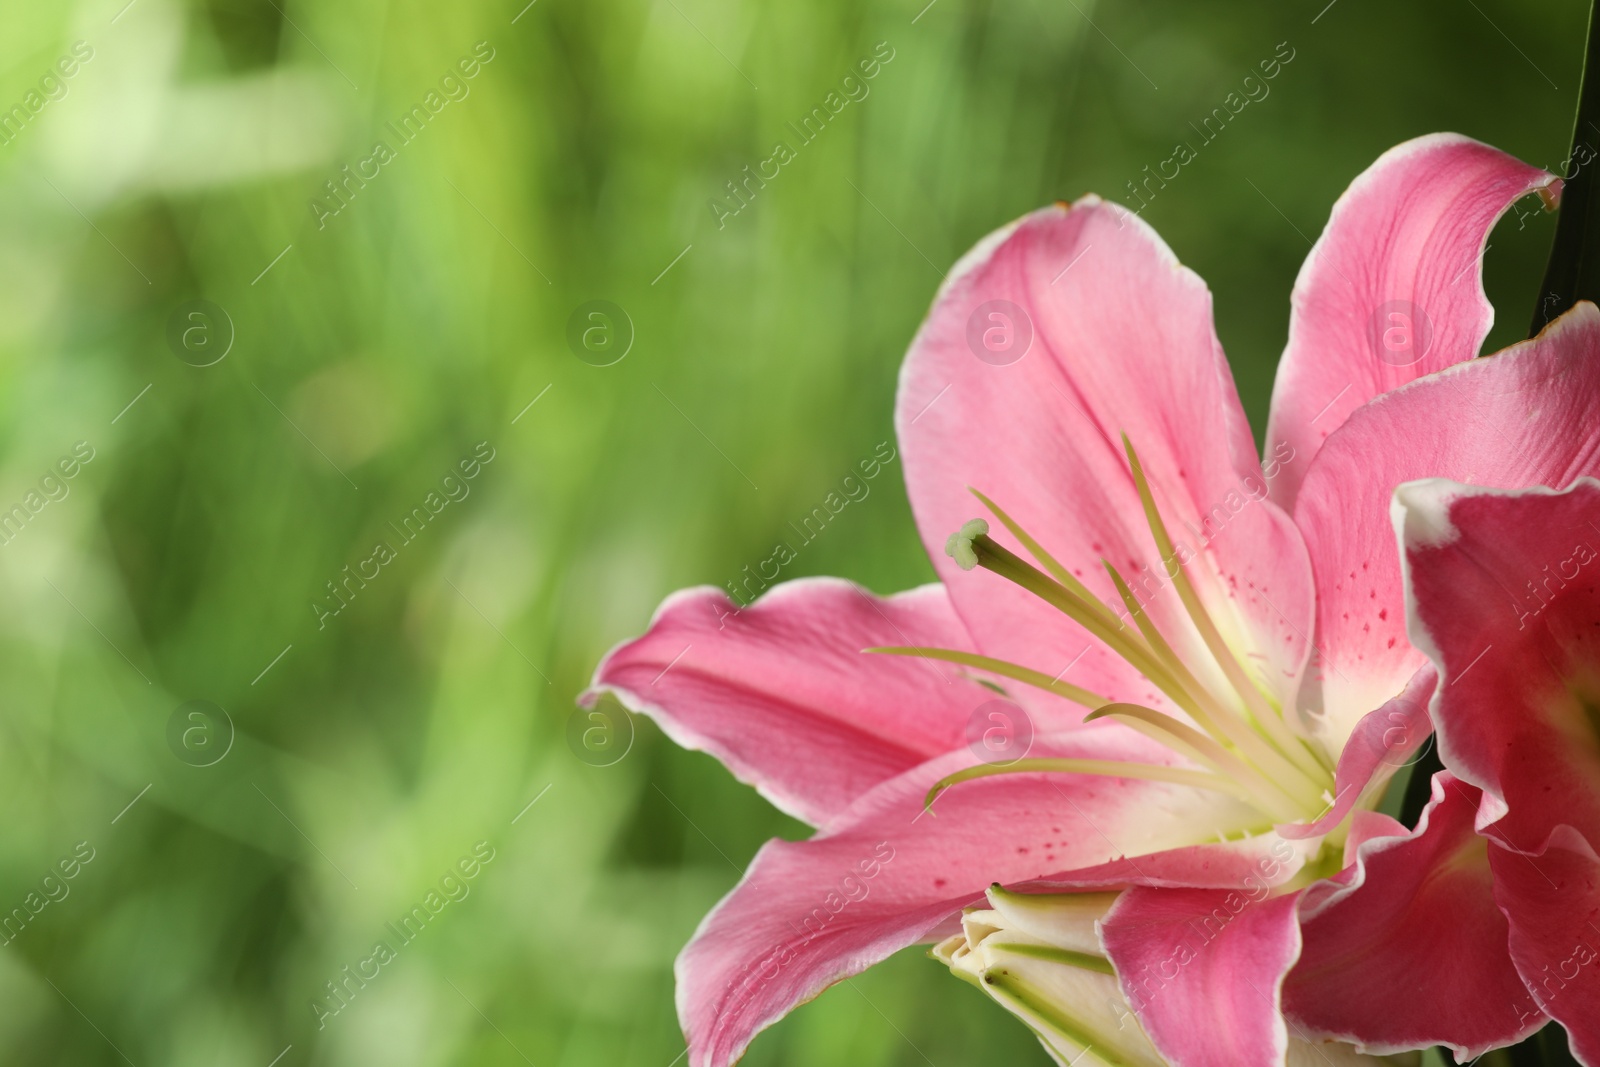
421,320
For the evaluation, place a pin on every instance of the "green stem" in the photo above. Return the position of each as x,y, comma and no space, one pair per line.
1573,272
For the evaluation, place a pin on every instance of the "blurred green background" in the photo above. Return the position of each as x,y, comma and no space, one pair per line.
374,349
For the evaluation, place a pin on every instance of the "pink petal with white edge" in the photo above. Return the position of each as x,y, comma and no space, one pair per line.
1120,341
1393,289
1202,969
1384,959
1364,826
1522,417
782,693
1553,902
886,875
1505,597
1383,742
1524,720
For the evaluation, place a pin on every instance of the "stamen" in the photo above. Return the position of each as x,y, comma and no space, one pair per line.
1265,716
1104,768
1004,668
1266,794
1057,571
991,556
1194,690
1246,747
1227,727
959,545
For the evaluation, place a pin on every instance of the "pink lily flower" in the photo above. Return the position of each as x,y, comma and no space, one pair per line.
1070,371
1505,597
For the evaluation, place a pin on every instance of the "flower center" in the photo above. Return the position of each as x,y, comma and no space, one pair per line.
1239,736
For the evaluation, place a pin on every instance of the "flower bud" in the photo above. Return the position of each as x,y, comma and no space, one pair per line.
1038,955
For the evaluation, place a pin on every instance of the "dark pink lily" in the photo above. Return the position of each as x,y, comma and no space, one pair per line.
1148,567
1505,597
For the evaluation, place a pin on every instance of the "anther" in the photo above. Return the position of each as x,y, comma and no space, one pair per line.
959,546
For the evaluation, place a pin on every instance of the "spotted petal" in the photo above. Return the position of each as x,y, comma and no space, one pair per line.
885,875
1530,410
1051,340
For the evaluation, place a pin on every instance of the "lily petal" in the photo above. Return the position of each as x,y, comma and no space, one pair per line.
1378,967
1525,722
782,693
1203,970
1505,596
1119,339
1393,289
1531,408
885,874
1039,956
1383,742
1553,903
1364,826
